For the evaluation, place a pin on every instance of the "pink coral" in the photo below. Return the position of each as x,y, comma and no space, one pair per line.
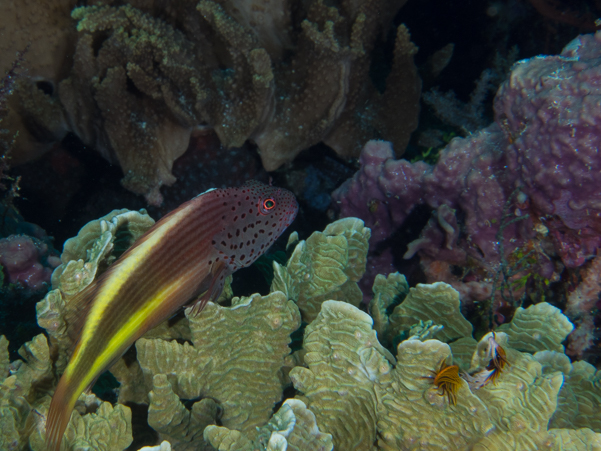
27,261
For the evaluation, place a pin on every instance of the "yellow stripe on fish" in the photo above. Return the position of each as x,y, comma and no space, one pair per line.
186,254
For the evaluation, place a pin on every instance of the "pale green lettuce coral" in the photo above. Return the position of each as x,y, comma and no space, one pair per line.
326,266
579,404
438,302
344,361
108,428
170,418
97,245
236,359
347,372
411,410
25,398
388,291
235,362
539,327
292,428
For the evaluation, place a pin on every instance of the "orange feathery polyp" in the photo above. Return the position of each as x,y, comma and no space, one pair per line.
185,256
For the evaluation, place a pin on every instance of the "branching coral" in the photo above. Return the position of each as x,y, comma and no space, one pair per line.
284,77
35,118
126,94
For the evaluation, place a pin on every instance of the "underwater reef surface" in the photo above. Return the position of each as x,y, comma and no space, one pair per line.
515,204
407,372
455,306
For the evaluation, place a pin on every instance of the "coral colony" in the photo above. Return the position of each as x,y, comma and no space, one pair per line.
446,301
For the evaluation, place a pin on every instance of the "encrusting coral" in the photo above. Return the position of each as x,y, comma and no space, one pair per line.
234,362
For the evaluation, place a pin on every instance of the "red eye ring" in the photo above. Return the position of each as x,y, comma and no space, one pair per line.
269,204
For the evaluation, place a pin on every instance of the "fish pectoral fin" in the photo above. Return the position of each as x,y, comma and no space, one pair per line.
216,281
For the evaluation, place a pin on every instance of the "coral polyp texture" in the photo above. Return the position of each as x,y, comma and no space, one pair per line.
284,76
513,204
410,377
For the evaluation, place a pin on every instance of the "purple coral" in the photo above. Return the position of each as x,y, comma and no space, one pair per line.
27,261
543,149
550,110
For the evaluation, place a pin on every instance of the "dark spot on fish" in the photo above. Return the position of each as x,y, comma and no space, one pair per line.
213,242
235,218
243,215
244,229
229,235
233,208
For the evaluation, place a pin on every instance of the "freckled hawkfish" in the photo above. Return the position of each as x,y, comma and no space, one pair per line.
185,256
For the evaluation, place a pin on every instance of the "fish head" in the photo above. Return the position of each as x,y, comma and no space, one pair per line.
254,216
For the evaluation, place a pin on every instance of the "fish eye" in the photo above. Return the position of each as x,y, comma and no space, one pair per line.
268,204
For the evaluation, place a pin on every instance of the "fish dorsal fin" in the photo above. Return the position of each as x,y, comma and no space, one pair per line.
216,280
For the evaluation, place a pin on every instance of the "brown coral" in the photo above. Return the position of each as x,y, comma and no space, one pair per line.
144,74
45,30
126,93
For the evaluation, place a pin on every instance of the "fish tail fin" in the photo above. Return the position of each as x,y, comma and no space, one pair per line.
59,414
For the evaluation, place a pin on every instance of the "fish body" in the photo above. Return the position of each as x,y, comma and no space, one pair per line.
187,254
